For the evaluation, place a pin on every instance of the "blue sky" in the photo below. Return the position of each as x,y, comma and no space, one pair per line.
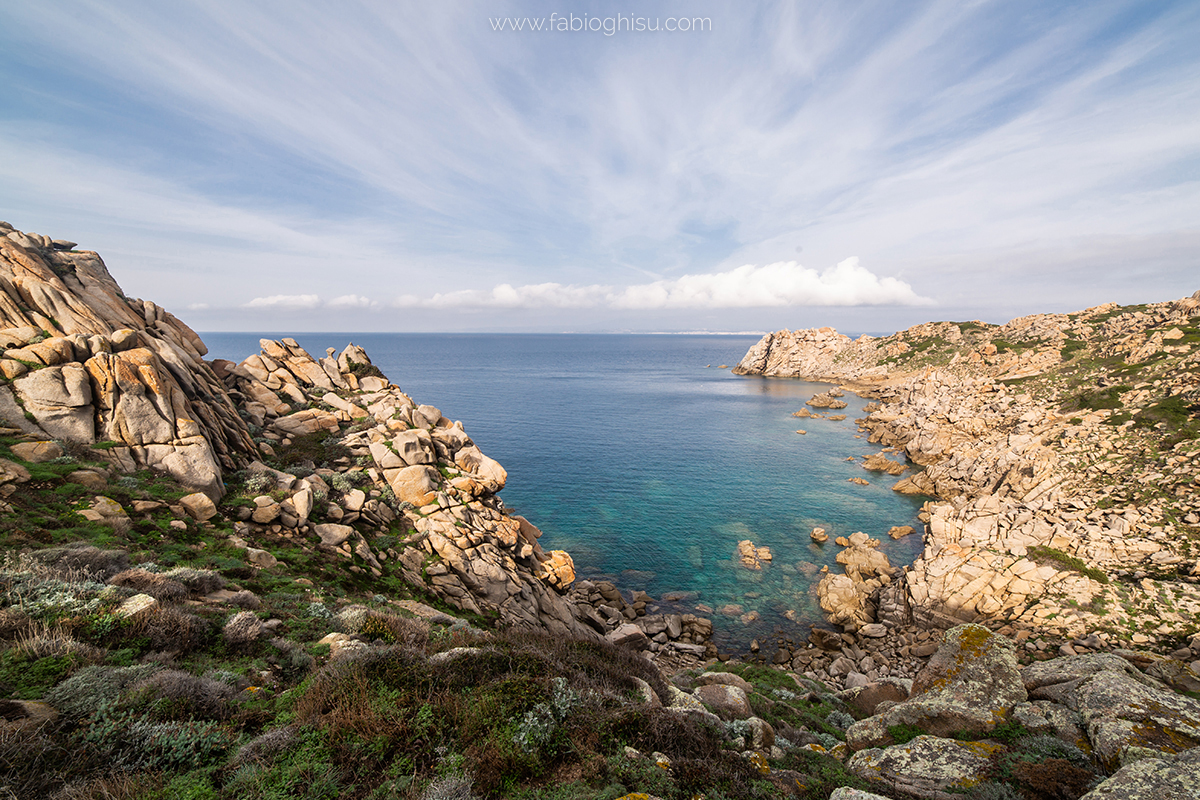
405,166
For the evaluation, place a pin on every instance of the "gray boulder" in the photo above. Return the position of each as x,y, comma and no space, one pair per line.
971,684
1173,778
927,766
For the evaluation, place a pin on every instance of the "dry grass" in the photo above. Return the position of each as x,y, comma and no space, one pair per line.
160,587
40,639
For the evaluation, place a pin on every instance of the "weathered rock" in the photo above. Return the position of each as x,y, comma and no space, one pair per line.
724,679
727,702
1122,713
332,534
199,506
260,558
971,684
927,766
416,484
38,452
1174,777
136,606
628,635
867,698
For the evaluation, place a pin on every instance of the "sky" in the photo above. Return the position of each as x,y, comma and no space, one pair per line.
666,166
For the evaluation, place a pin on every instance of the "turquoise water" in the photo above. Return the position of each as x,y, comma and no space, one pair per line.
649,466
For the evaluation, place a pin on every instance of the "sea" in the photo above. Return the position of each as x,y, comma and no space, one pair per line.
647,460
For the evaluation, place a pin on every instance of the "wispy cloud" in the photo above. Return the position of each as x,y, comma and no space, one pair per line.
785,283
415,148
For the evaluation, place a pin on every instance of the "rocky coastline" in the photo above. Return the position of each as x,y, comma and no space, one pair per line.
1061,457
341,462
286,578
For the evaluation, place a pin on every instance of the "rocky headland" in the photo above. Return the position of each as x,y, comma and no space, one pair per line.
1061,455
285,578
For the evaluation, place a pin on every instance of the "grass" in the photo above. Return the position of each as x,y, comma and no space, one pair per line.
1049,555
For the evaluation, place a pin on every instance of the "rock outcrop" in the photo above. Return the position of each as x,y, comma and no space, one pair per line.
370,476
83,363
1061,453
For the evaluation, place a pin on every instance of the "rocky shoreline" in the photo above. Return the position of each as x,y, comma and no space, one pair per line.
361,472
1061,456
272,535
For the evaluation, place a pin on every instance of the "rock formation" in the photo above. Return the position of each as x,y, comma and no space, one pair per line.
84,365
1061,453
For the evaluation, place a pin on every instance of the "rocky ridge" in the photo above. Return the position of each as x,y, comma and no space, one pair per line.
1061,452
307,455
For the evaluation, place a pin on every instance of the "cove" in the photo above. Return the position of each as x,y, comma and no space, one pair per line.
647,463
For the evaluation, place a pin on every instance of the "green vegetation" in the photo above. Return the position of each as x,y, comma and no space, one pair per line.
1049,555
1096,399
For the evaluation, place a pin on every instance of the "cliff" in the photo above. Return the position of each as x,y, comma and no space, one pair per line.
1062,453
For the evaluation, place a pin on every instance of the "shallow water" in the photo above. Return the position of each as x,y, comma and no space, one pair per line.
649,467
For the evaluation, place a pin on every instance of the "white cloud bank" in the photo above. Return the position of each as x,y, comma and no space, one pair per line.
285,301
782,284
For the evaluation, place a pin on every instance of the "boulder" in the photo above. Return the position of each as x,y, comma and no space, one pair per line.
727,702
970,684
1122,713
486,470
844,601
305,422
332,534
60,399
628,635
199,506
416,485
724,679
136,606
558,569
414,447
1174,777
38,452
927,766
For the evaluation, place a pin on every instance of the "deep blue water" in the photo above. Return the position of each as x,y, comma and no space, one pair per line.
646,464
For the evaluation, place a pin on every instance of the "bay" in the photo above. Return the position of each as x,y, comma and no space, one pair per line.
648,464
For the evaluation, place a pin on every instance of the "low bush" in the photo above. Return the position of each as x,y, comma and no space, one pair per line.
160,587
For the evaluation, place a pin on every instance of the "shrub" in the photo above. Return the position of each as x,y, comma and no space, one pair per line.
242,630
132,742
160,587
265,747
79,559
198,581
260,483
172,629
246,599
28,677
91,687
902,734
839,719
174,694
456,786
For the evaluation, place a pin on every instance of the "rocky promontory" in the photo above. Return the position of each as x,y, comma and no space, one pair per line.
1061,456
298,454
